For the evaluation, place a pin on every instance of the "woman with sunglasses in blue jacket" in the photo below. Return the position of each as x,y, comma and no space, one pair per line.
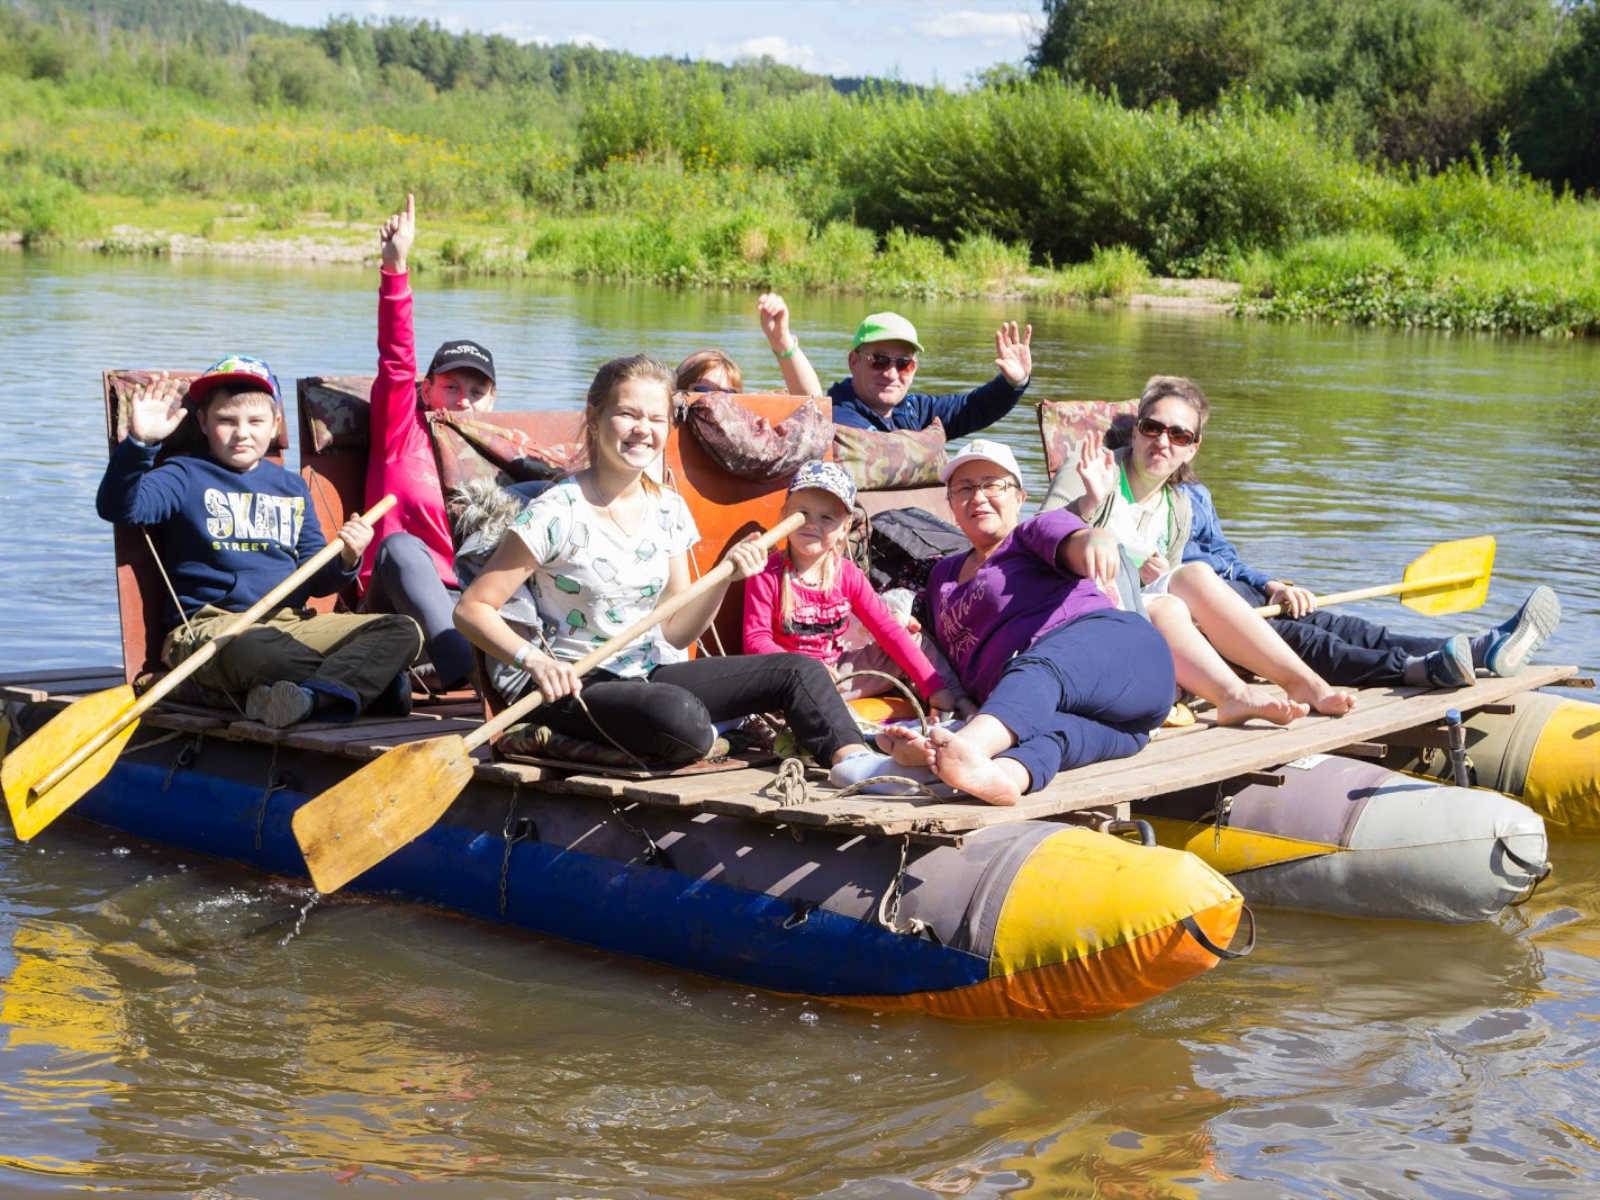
1136,492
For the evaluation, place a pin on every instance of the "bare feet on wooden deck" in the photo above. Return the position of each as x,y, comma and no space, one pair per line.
1329,701
1259,702
906,746
966,767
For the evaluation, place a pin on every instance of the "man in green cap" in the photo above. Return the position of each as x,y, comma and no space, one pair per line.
883,361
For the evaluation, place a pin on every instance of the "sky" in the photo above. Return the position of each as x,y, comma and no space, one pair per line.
925,42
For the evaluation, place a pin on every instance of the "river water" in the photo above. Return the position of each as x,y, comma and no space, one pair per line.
164,1035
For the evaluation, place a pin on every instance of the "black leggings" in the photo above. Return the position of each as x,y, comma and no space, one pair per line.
668,717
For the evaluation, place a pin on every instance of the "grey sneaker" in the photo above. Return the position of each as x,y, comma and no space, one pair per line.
1450,666
1515,641
278,705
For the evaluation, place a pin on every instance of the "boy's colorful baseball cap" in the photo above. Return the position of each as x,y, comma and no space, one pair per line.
235,368
825,476
885,327
462,354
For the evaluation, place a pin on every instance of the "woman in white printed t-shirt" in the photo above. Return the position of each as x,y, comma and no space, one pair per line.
602,548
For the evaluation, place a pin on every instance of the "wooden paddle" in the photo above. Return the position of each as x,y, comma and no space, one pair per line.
397,797
1450,577
72,752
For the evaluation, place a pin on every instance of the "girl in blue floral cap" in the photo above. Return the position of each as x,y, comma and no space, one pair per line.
804,599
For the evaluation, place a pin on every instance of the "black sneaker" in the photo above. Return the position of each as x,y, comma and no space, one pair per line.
394,700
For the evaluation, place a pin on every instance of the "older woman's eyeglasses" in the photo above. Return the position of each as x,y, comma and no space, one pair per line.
1176,434
992,489
705,388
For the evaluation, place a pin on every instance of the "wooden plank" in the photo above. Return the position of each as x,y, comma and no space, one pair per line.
1226,752
510,773
185,722
34,679
388,731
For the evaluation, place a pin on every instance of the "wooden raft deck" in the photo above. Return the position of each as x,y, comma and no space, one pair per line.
1199,754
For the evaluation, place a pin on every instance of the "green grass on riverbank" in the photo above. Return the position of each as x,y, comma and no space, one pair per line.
1039,190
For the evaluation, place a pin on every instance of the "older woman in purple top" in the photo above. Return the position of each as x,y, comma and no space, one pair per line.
1062,676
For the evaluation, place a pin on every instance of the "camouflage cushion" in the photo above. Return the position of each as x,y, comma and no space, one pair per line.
1062,424
747,445
496,446
902,458
334,408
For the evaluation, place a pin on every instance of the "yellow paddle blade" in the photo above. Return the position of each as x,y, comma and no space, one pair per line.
1472,557
391,801
49,748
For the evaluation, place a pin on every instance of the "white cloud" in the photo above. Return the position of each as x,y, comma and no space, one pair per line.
523,34
967,24
778,49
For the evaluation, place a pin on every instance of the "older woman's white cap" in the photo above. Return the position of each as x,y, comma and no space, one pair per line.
983,450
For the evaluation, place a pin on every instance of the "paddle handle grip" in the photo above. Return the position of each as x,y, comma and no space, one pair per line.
716,577
168,682
1434,583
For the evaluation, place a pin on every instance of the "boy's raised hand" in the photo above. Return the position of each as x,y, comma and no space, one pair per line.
155,409
396,235
356,535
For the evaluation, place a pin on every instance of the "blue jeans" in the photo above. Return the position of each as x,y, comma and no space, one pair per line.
1091,690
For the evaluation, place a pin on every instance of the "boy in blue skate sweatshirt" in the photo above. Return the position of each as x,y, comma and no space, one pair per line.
229,526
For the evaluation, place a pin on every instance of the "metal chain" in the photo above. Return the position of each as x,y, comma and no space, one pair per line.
889,904
280,785
653,853
515,829
186,754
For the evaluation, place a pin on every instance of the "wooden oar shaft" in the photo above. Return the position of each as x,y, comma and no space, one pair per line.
1436,583
715,577
168,682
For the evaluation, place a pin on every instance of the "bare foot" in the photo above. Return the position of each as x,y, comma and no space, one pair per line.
962,766
906,746
1329,701
1258,702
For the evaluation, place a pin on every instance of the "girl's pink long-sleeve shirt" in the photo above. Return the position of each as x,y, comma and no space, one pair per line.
820,618
400,455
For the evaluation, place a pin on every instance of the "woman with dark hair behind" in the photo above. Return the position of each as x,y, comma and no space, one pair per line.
714,371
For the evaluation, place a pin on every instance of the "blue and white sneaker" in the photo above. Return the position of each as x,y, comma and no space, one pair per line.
1450,666
1515,641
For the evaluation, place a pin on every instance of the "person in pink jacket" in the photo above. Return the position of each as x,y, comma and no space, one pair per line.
410,568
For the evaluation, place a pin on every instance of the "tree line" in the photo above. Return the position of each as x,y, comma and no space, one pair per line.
1416,82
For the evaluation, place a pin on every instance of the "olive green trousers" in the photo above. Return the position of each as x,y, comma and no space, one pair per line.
339,655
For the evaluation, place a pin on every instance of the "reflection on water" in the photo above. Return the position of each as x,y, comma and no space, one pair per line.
161,1036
